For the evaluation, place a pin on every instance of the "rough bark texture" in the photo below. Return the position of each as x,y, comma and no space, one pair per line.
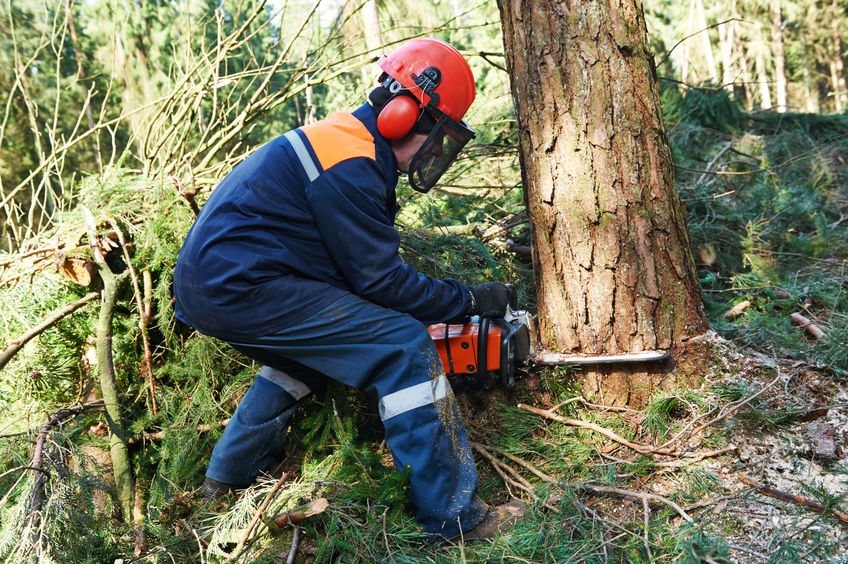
611,255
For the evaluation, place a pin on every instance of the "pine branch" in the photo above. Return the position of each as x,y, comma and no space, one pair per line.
58,315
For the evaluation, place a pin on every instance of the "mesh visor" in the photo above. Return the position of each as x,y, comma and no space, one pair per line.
438,152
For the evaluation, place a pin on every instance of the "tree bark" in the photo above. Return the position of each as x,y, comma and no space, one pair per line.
779,57
611,255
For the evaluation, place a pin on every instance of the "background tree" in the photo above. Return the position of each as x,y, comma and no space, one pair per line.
614,271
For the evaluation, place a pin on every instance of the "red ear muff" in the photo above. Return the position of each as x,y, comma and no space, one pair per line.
398,117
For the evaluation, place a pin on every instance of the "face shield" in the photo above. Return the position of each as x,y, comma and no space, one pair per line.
438,152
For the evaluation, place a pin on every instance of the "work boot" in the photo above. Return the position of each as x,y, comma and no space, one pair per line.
498,519
213,489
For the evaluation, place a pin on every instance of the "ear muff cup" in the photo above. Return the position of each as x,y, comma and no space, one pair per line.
398,117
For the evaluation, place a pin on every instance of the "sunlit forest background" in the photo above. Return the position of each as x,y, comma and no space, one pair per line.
120,117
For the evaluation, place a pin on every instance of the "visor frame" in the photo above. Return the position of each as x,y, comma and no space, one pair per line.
459,131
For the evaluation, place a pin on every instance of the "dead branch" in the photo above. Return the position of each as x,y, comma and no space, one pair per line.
639,495
783,496
294,544
736,310
808,325
259,511
640,448
54,318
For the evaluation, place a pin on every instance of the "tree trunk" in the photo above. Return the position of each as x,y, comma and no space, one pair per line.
706,44
744,68
762,79
779,57
611,255
811,92
840,93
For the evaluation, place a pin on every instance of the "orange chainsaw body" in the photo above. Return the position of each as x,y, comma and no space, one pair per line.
458,348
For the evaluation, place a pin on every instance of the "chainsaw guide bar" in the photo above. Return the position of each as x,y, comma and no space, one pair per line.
548,358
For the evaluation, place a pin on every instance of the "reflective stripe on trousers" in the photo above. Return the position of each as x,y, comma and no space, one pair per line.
376,349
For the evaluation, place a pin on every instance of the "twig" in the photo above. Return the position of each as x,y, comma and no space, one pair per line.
523,463
497,465
638,495
737,405
13,470
596,406
640,448
147,360
294,543
783,496
259,511
57,316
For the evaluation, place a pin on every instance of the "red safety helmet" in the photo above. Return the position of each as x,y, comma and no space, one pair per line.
430,82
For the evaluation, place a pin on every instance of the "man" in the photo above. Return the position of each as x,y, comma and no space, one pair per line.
294,262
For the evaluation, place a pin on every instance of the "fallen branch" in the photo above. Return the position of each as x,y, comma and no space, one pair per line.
640,448
639,495
808,325
259,511
736,310
54,318
498,466
294,544
783,496
296,516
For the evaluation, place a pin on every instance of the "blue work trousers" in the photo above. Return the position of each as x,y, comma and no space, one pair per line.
372,348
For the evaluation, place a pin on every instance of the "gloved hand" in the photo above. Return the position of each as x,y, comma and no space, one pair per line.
490,299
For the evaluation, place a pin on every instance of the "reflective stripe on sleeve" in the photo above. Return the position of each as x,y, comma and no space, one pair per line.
409,398
295,388
303,155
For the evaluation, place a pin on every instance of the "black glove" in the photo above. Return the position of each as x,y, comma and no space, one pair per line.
490,299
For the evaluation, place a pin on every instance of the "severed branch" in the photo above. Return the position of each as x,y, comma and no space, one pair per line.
806,324
57,316
783,496
640,448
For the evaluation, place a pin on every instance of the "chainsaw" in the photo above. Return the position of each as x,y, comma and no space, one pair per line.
510,346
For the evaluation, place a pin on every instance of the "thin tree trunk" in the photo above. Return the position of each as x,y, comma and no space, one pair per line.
81,73
742,60
611,255
779,57
728,73
762,78
811,94
837,65
706,44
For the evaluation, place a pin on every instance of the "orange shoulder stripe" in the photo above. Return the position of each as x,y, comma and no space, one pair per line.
339,137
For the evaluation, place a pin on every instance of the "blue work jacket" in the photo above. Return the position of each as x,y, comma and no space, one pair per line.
304,220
